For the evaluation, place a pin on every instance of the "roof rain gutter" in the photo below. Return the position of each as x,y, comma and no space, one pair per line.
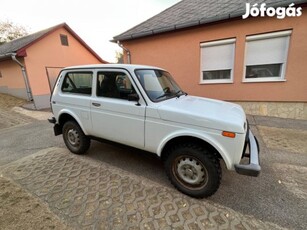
25,76
4,56
127,51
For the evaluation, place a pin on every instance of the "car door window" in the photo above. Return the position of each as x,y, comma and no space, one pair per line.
78,82
114,85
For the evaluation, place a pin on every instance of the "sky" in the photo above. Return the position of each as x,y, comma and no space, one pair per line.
95,21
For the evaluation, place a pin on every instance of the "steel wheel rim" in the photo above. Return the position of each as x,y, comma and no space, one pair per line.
73,137
190,172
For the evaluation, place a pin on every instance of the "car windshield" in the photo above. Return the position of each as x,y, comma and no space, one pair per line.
158,84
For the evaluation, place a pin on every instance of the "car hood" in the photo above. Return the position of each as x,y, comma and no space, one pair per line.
204,112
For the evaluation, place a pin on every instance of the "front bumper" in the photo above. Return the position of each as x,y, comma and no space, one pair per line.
253,168
52,120
57,129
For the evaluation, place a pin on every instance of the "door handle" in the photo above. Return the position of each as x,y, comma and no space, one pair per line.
96,104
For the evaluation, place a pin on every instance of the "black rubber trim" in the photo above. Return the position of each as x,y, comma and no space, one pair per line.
253,168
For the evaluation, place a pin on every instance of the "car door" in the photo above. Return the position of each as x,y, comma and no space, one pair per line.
74,96
114,117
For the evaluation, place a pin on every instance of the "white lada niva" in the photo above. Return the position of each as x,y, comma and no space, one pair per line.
143,107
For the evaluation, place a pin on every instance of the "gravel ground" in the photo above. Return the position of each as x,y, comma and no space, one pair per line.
20,210
7,102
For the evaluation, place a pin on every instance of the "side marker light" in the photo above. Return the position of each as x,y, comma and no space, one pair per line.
228,134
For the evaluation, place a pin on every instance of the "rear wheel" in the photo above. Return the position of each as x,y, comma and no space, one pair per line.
193,170
75,140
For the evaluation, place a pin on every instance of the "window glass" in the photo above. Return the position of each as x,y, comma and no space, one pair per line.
216,74
263,71
266,56
158,84
217,61
64,40
78,82
114,85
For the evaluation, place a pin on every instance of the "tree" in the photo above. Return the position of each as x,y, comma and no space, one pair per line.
119,57
10,31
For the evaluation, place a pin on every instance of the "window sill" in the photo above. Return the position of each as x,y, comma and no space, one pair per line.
262,80
208,82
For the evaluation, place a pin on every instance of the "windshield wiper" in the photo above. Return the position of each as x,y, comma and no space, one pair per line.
177,94
180,93
163,95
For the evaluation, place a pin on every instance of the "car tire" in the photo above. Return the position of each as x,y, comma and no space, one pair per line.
75,139
193,170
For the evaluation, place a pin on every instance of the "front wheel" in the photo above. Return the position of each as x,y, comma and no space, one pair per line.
193,170
75,140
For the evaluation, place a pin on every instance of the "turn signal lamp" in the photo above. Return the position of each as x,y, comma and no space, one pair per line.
228,134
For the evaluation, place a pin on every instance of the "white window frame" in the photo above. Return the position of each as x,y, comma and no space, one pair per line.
282,78
217,43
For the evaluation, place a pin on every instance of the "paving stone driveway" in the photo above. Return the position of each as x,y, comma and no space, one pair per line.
91,195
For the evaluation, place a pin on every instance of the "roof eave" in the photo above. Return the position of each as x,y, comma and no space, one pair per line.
6,56
216,19
175,27
23,49
21,52
84,44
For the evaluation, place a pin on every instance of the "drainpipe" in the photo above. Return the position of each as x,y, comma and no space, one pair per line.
25,76
127,51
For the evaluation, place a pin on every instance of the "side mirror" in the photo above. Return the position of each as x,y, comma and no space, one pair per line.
133,97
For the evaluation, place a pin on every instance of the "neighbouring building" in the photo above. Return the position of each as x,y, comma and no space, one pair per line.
30,65
258,62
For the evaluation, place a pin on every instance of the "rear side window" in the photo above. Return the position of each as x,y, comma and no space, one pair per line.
78,82
114,85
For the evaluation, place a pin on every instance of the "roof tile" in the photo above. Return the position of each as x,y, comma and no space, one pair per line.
19,43
187,13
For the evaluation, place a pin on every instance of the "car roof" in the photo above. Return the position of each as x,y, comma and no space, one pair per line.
130,67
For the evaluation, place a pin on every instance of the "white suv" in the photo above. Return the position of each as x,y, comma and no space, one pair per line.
143,107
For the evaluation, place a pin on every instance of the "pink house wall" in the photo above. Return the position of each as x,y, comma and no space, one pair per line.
12,79
179,53
49,52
